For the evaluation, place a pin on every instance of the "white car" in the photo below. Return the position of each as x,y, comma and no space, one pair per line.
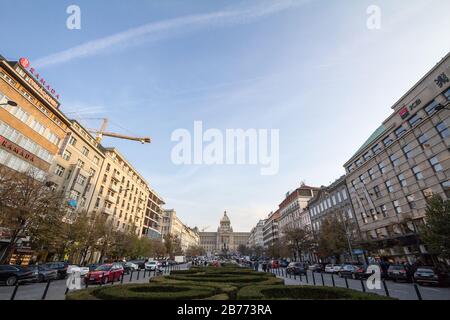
74,268
133,266
330,268
151,265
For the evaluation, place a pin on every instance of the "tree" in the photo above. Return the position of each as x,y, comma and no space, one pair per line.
299,241
436,232
173,245
195,251
332,239
28,206
243,250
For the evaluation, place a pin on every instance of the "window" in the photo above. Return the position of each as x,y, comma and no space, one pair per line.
389,186
38,127
402,180
397,206
383,210
411,201
414,120
66,155
408,151
442,129
376,149
350,168
423,138
371,173
108,167
400,131
382,167
435,164
358,162
96,160
91,172
81,180
361,178
377,192
59,171
387,141
72,141
20,114
431,107
446,187
394,159
367,156
80,163
85,151
417,172
447,94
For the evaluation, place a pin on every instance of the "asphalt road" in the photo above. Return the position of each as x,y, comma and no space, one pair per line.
402,291
57,288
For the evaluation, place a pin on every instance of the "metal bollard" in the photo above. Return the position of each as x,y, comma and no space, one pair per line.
346,282
323,281
145,271
14,291
307,280
139,272
363,286
314,278
295,276
386,288
121,279
419,296
332,279
46,290
301,280
101,279
66,292
131,275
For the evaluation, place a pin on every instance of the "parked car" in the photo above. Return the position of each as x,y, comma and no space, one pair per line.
296,268
61,267
273,264
399,272
316,268
10,275
348,271
105,273
283,264
432,275
329,268
42,273
93,266
152,265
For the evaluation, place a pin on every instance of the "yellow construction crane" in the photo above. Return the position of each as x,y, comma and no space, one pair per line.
102,132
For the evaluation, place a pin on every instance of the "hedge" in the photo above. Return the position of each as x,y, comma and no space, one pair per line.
277,292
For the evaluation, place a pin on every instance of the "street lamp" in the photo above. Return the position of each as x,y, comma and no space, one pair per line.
9,103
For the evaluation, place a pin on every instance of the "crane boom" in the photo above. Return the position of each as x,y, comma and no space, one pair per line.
120,136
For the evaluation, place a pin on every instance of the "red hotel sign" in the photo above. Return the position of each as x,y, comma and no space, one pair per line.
25,63
5,143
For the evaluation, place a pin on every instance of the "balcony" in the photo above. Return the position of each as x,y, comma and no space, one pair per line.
108,211
115,176
110,198
114,188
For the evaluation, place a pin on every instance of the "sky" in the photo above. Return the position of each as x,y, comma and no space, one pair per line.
310,68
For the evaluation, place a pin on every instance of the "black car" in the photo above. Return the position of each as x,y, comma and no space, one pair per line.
10,275
432,275
296,268
349,271
61,267
139,263
399,272
43,274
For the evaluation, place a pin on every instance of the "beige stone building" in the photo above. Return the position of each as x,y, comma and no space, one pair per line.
76,168
122,193
172,225
404,161
153,216
225,240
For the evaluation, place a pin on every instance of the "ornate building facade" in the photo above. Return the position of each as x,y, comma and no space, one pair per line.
225,240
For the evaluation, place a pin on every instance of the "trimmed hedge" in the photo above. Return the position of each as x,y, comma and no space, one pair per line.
277,292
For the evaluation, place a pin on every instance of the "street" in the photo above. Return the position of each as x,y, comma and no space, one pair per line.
402,291
57,289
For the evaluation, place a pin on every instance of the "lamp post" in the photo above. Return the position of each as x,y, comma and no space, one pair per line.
9,103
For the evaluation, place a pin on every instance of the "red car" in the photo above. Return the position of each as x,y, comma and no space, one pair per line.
105,273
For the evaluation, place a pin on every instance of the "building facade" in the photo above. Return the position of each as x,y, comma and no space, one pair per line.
32,128
256,238
271,231
153,216
189,238
405,161
122,193
172,225
76,168
292,209
334,201
225,240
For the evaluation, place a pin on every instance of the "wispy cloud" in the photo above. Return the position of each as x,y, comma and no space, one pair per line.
164,28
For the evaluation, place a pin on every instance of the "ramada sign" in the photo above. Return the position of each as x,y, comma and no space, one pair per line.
25,63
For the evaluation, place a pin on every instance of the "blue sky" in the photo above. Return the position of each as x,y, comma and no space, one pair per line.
309,68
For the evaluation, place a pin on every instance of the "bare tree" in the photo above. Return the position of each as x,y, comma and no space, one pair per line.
299,241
